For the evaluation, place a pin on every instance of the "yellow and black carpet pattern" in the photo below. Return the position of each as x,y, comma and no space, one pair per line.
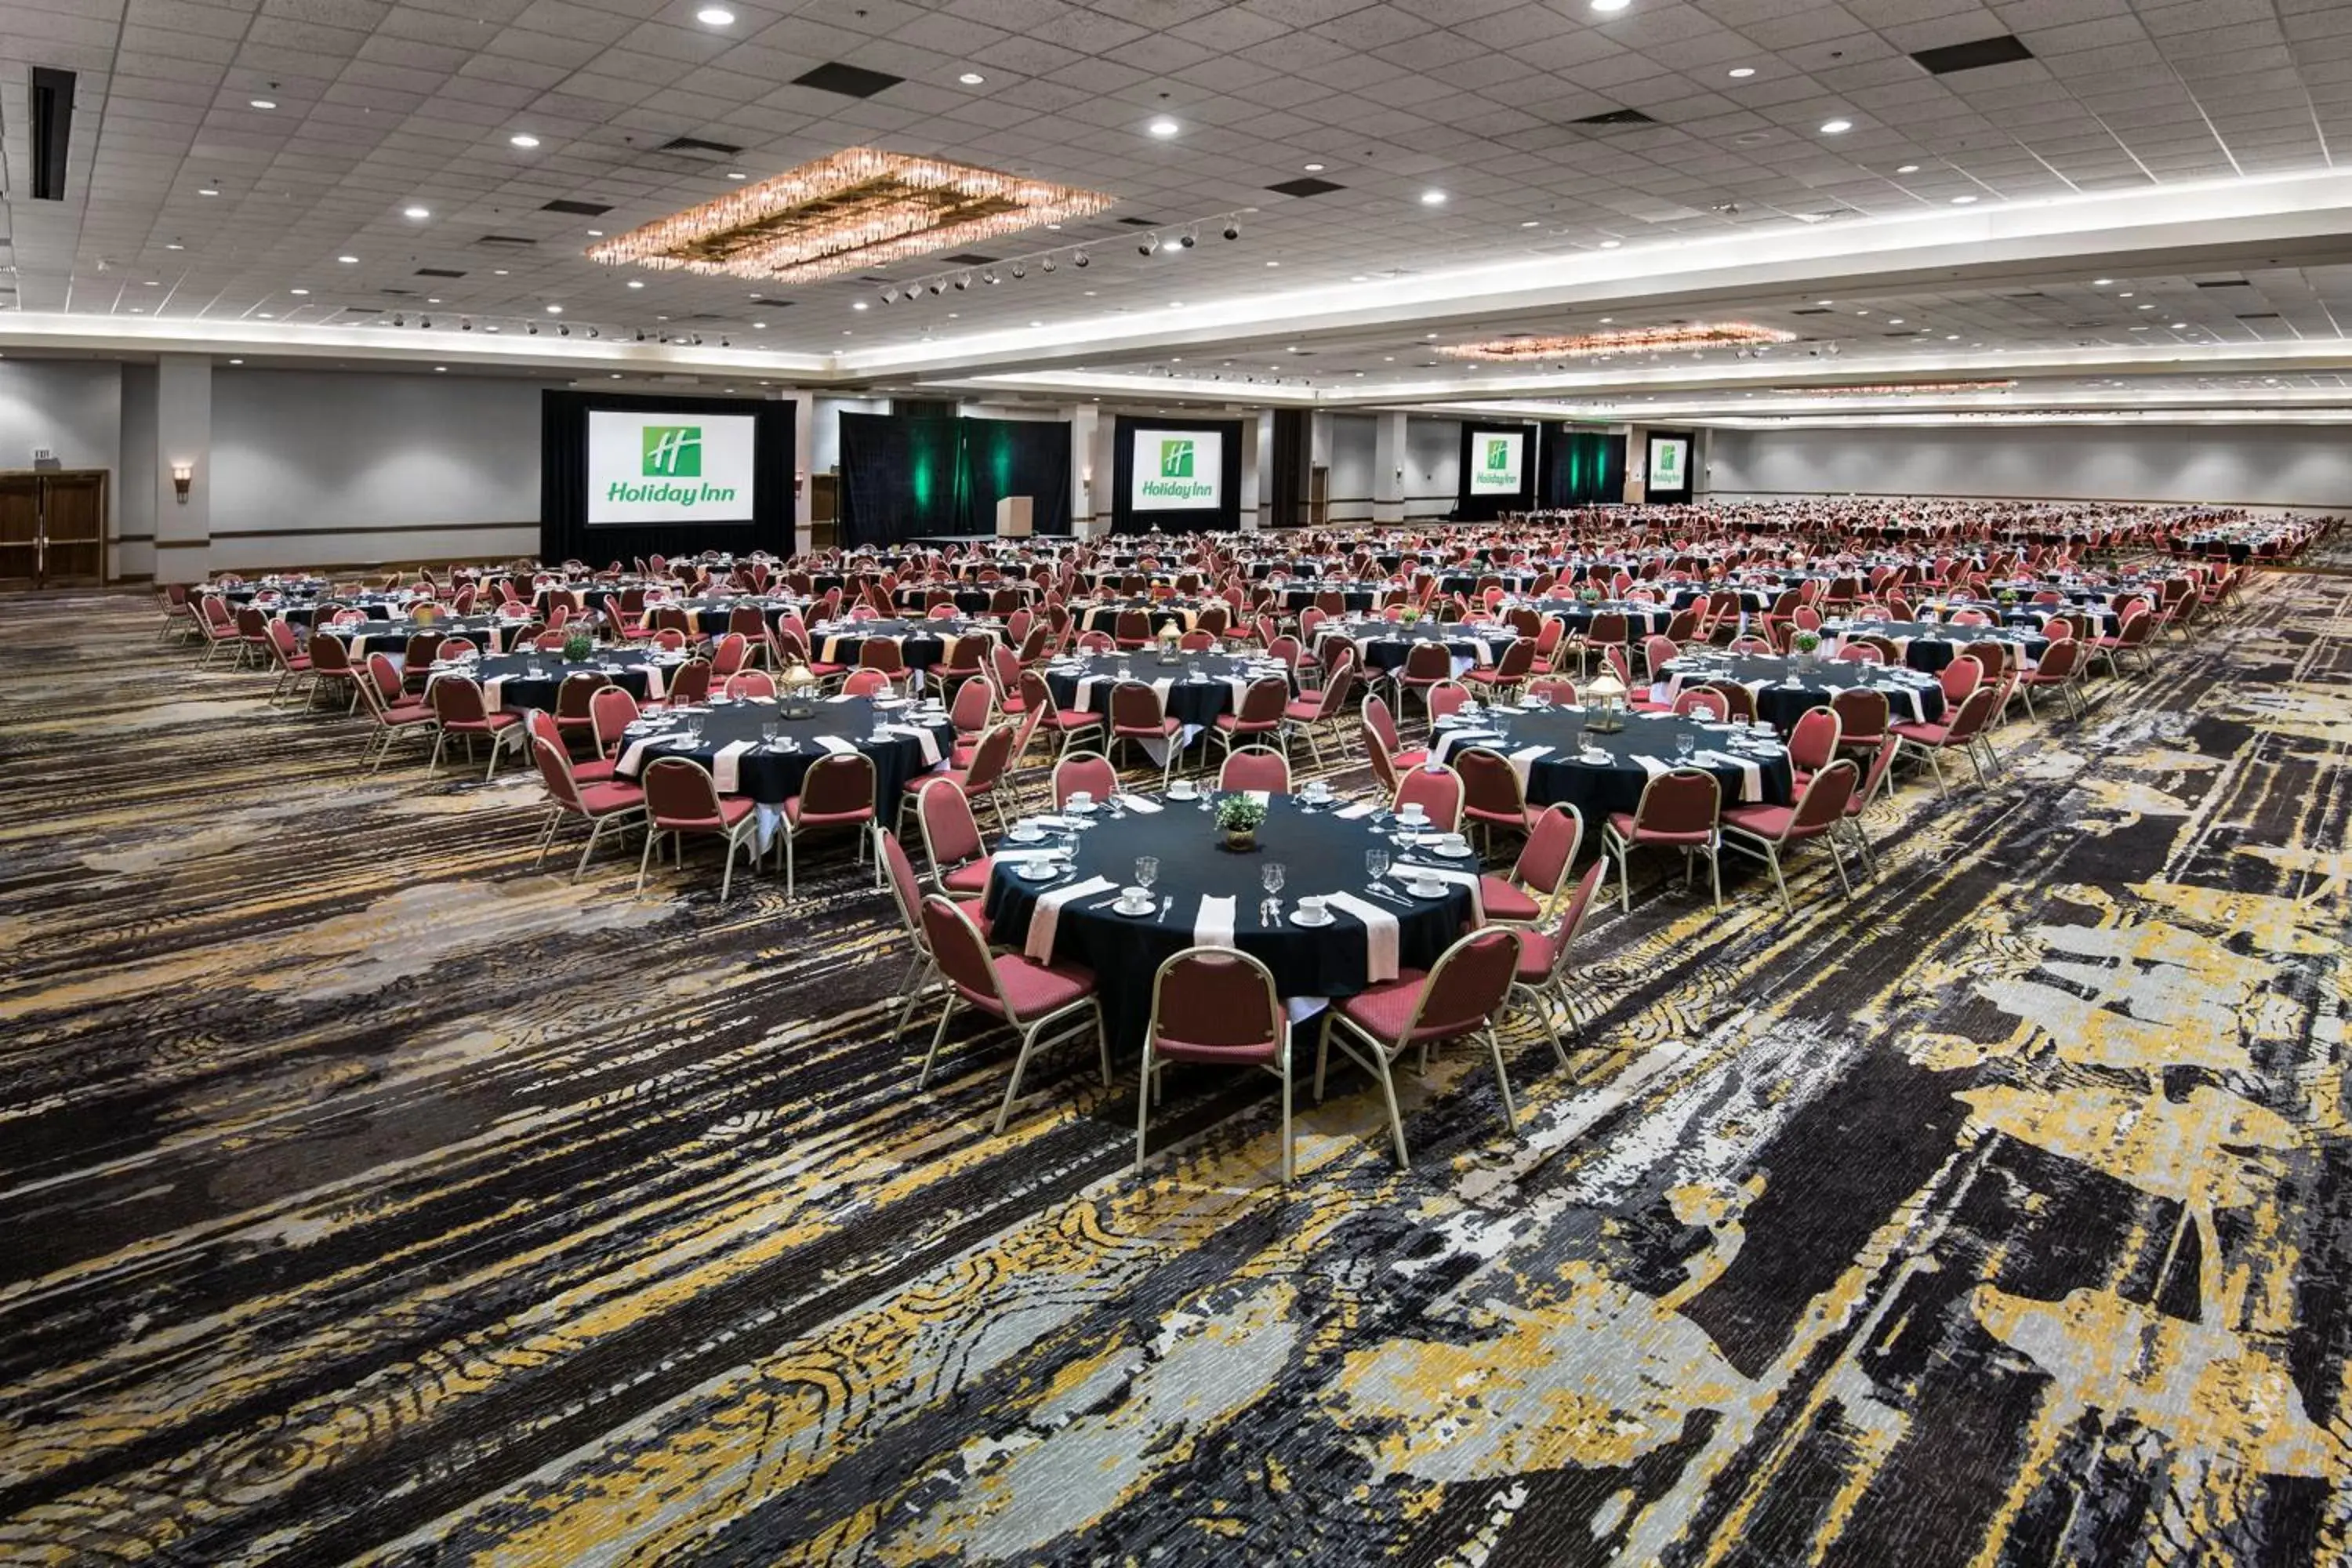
370,1196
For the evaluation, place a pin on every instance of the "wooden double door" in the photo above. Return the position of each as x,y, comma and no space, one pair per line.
53,529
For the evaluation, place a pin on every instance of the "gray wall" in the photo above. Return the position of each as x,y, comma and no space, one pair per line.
74,406
1432,466
2271,466
330,468
135,479
1355,439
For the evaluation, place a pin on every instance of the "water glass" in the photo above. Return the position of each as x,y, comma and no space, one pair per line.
1146,872
1685,744
767,731
1376,863
1272,876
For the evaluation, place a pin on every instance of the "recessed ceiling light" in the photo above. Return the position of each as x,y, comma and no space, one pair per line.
1963,201
500,272
1836,127
1163,127
2180,326
349,260
236,361
2101,282
1531,223
1607,7
715,16
854,305
763,326
971,78
1741,73
522,139
1907,168
1951,337
416,213
596,234
175,245
737,174
1274,264
555,309
1894,321
265,104
440,370
1611,244
208,191
264,315
2149,307
1175,304
1432,198
298,291
636,282
433,299
1312,168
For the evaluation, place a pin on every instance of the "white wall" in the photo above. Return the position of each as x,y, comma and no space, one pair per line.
74,406
1354,438
135,479
326,469
1433,466
2268,466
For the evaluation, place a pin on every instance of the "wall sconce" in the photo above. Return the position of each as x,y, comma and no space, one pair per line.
183,476
800,479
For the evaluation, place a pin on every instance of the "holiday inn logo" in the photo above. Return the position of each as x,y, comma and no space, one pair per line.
1498,455
1176,481
673,451
1175,460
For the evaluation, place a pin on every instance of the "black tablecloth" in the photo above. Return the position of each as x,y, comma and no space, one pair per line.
484,632
1102,615
1929,646
710,614
520,689
921,643
1641,620
771,776
1597,788
1358,598
970,598
1189,701
1386,645
1321,853
1781,704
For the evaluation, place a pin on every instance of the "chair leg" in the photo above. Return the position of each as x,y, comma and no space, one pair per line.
1837,858
435,766
596,831
496,745
938,1037
1289,1156
1503,1077
1322,1054
1388,1094
1102,1042
653,837
1772,859
1143,1107
1013,1089
790,883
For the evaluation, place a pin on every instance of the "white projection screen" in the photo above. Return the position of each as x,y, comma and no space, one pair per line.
1669,463
670,467
1496,459
1178,471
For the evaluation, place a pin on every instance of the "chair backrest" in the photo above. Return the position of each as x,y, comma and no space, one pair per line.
1814,740
1383,759
1438,790
681,792
1679,801
1825,797
1428,662
1702,701
1446,698
975,701
457,700
1381,721
1219,999
1738,702
1880,761
1136,709
1657,650
988,759
1255,767
1263,702
574,697
1090,772
751,683
1573,918
1466,987
554,764
882,654
840,784
1134,626
1552,689
1862,716
2059,660
1515,660
962,957
1550,849
1489,783
950,832
610,710
865,683
1973,716
905,891
1960,678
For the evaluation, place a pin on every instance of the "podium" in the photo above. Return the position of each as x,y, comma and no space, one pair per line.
1012,517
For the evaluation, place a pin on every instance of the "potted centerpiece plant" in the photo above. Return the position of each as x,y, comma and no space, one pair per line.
578,647
1807,647
1410,615
1238,818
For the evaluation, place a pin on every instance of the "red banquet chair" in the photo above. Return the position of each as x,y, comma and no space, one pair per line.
1963,729
1088,773
1255,768
1492,795
837,791
1438,790
681,799
1765,831
1033,998
1459,995
458,708
1544,952
600,805
1215,1006
1678,810
393,713
922,968
959,860
1522,897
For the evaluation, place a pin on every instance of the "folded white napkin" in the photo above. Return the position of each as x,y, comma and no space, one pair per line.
492,690
1380,934
929,742
1752,776
1460,878
1137,803
1362,808
1214,926
1025,857
1650,765
634,759
1524,758
836,745
655,685
1047,918
1083,700
1163,686
724,767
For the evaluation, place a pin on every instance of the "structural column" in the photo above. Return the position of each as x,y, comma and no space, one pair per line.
804,463
183,438
1388,469
1085,417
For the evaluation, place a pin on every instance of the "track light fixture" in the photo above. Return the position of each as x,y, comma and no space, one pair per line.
890,296
1233,229
1146,244
426,322
963,281
939,285
532,329
1046,265
724,343
1189,240
1079,260
563,331
465,326
1019,270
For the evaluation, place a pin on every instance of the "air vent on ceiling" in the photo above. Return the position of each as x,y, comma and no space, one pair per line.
969,258
407,291
1809,310
362,310
2025,296
696,144
1142,222
2223,283
850,81
578,209
1614,117
1309,186
439,272
52,116
2002,49
2259,316
505,239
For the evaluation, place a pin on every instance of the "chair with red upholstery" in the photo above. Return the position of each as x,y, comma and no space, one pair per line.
1378,719
1062,730
1962,729
2059,670
1427,666
1508,672
293,665
1438,790
837,791
1552,689
601,803
908,895
1326,708
751,683
1861,653
1521,898
393,713
1813,741
542,726
1765,831
1446,699
1255,767
1492,795
575,704
1701,702
458,710
729,655
331,666
253,625
1214,1007
2138,630
1137,716
1087,773
1265,702
1862,718
1096,642
681,799
885,655
1878,771
1544,952
952,842
1459,995
1678,810
865,683
1032,997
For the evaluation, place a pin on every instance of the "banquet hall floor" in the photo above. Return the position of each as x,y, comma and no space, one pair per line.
369,1197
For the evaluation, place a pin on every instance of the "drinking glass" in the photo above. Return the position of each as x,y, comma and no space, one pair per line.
1376,863
1685,744
767,731
1146,872
1272,876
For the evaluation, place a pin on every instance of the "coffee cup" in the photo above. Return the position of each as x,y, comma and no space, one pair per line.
1310,909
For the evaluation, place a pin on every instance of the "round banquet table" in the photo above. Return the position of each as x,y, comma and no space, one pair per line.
1929,646
1641,620
1599,774
2024,617
1753,600
1784,693
1084,684
711,612
488,633
922,643
1321,852
1386,645
527,680
1356,597
1518,579
970,598
240,593
1102,615
771,774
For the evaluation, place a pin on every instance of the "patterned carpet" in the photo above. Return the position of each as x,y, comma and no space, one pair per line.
371,1198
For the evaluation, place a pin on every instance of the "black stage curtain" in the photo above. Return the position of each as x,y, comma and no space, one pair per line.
1487,507
1292,468
1657,497
909,477
1581,467
1016,457
563,530
1124,519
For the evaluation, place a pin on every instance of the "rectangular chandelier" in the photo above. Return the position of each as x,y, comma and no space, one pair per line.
1894,388
1636,340
857,209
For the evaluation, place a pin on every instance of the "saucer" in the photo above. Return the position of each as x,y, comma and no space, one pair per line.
1027,835
1299,918
1464,852
1045,871
1424,889
1144,908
